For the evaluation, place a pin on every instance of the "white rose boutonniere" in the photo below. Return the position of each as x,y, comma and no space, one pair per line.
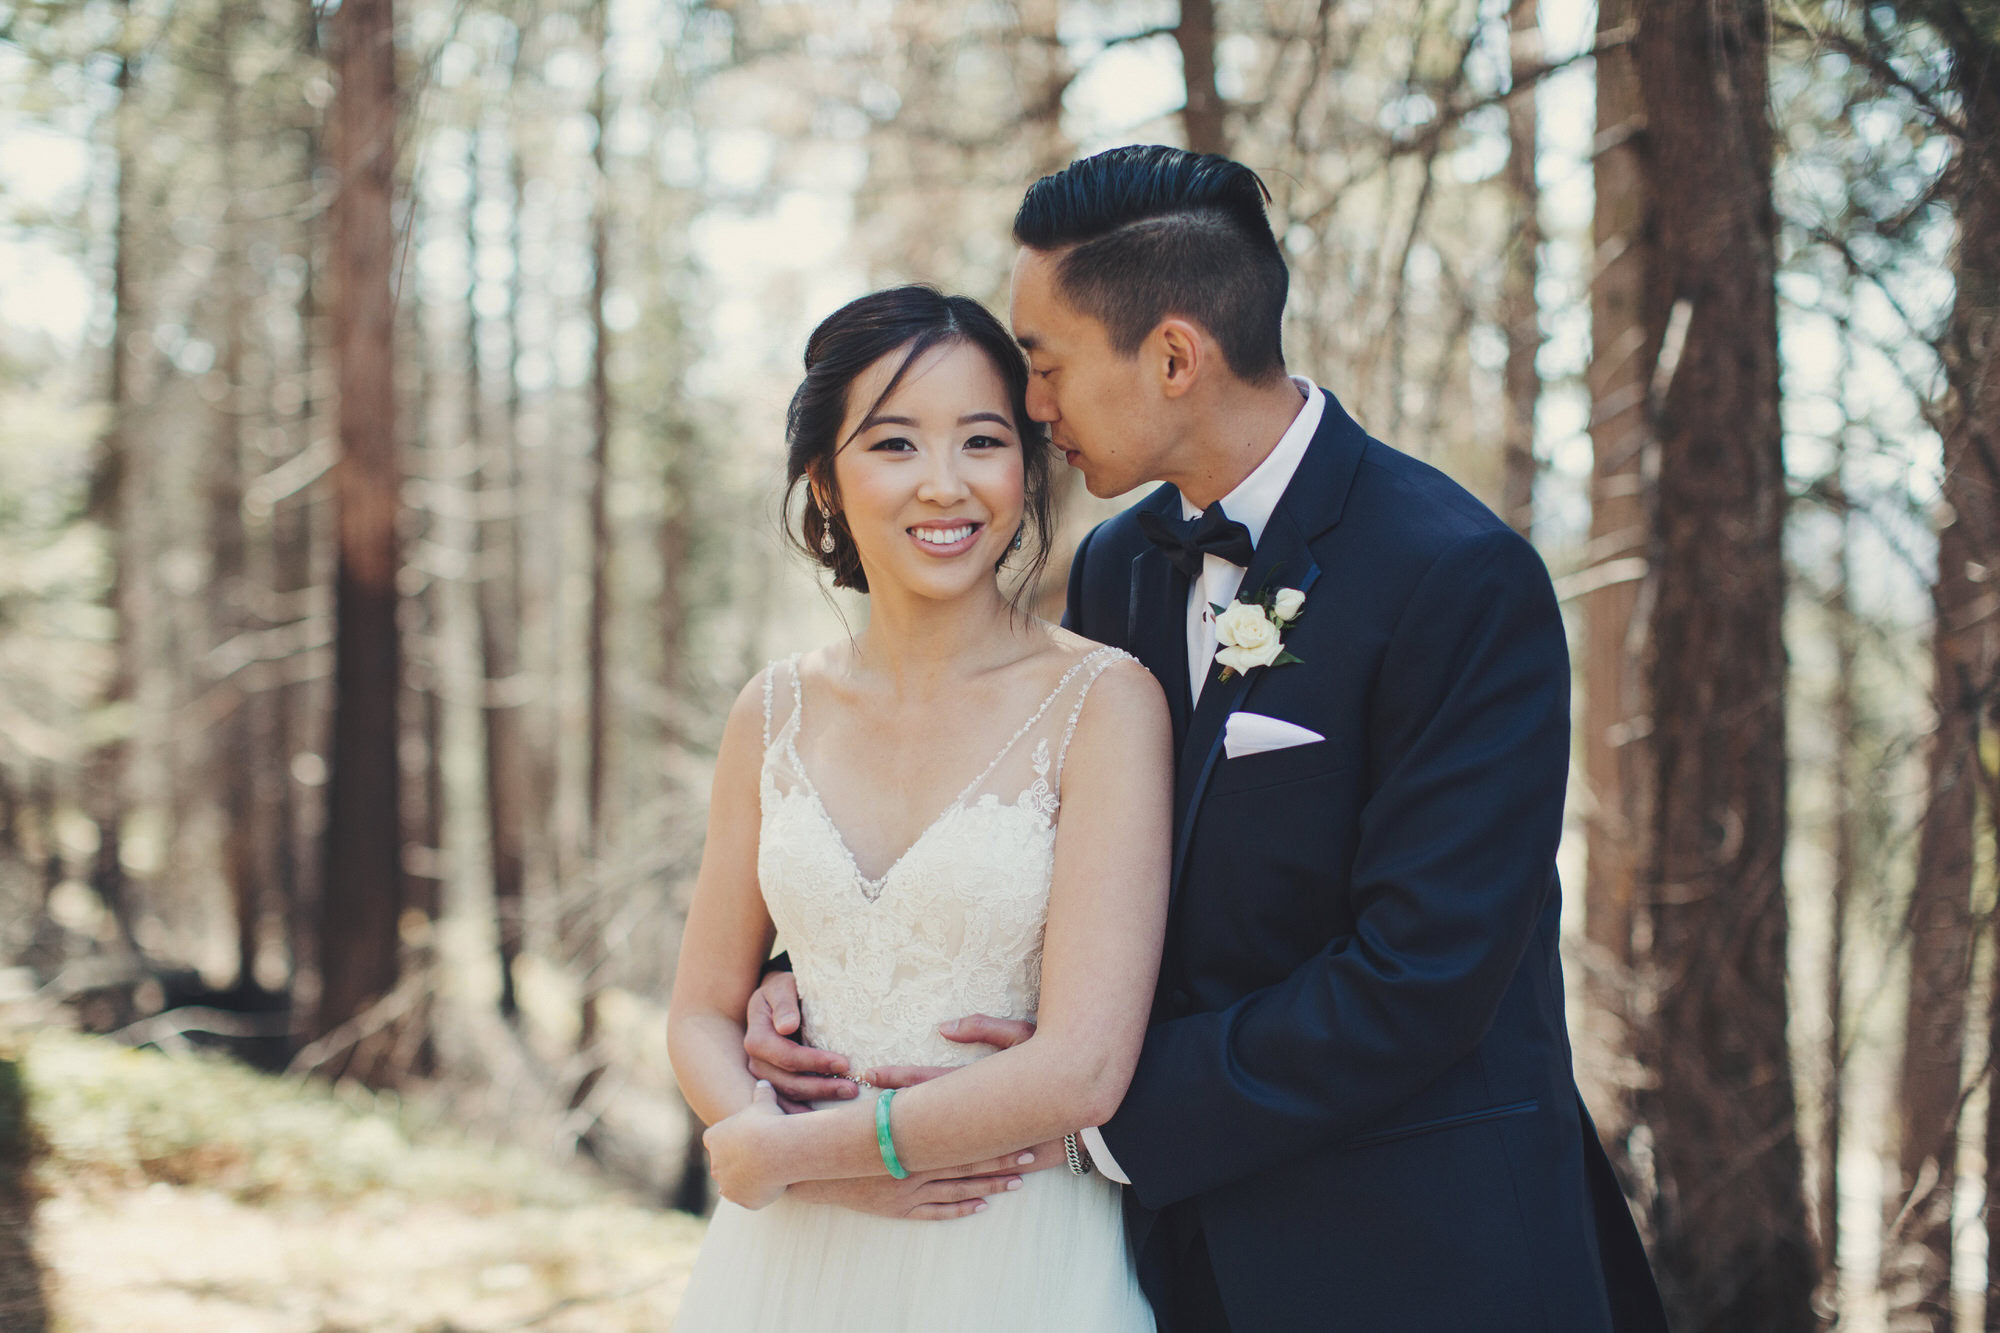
1251,630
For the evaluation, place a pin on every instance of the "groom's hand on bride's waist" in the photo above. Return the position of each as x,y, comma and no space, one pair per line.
800,1073
978,1029
803,1074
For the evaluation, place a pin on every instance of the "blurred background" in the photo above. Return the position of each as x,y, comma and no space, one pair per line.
390,447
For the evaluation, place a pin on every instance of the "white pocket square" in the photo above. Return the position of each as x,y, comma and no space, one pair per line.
1253,733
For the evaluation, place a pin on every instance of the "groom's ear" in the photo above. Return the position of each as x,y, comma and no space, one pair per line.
1180,354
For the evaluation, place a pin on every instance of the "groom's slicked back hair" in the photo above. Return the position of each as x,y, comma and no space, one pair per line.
1150,231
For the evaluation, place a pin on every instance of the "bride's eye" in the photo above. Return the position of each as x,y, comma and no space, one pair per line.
894,444
985,442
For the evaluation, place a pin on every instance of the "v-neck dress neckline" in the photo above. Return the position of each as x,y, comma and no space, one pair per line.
872,886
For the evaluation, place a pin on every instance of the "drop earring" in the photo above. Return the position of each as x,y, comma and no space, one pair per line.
826,542
1017,537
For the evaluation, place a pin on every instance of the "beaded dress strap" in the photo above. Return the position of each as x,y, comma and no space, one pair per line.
1054,694
770,688
1099,660
770,672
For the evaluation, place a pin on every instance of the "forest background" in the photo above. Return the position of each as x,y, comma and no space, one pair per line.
390,442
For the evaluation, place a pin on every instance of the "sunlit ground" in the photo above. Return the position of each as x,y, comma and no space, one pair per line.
187,1193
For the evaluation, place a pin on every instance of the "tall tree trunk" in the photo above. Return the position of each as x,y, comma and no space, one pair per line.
681,479
1967,648
285,571
363,891
110,505
1520,312
1615,709
426,661
1840,893
600,450
586,919
497,560
536,719
42,798
1916,1268
426,655
679,486
1734,1249
1202,113
1991,1322
300,722
1615,745
10,814
234,749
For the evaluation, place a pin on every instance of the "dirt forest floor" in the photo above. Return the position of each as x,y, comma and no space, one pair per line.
187,1193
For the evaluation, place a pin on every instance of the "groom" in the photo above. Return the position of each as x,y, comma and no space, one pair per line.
1354,1109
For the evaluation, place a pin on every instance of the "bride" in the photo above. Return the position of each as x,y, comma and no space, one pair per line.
962,809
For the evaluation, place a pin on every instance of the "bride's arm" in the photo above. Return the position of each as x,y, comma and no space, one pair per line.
728,932
1101,956
723,948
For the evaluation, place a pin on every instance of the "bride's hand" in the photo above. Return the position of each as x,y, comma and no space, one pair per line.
928,1197
931,1196
742,1151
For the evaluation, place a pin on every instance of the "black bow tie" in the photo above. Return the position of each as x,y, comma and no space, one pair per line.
1187,540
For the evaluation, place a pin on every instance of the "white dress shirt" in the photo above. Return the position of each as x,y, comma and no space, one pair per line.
1252,503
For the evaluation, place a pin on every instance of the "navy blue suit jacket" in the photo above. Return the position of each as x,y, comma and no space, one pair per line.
1356,1085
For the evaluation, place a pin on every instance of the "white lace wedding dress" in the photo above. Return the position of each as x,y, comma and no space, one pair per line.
952,927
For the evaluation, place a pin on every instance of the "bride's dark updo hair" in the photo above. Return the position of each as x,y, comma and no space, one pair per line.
911,320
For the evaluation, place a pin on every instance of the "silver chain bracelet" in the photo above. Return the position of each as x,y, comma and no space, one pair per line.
1079,1156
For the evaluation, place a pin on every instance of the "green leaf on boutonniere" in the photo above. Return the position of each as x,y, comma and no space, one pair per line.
1250,627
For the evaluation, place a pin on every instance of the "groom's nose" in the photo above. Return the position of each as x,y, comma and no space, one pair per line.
1041,400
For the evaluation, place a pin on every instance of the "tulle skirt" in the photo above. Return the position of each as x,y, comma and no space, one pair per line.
1048,1256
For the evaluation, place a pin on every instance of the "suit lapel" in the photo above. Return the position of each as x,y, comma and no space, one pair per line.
1282,558
1312,504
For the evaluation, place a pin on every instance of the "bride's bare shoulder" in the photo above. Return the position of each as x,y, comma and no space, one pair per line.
1118,673
1120,717
772,687
1066,647
827,667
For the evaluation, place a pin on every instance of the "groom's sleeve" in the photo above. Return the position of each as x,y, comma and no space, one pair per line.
1469,749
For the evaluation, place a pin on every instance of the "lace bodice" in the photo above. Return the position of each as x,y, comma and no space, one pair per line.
954,925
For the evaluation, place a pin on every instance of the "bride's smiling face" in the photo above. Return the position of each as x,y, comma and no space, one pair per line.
929,479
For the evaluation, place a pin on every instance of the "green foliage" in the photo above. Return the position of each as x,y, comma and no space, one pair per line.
21,1298
113,1116
188,1192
